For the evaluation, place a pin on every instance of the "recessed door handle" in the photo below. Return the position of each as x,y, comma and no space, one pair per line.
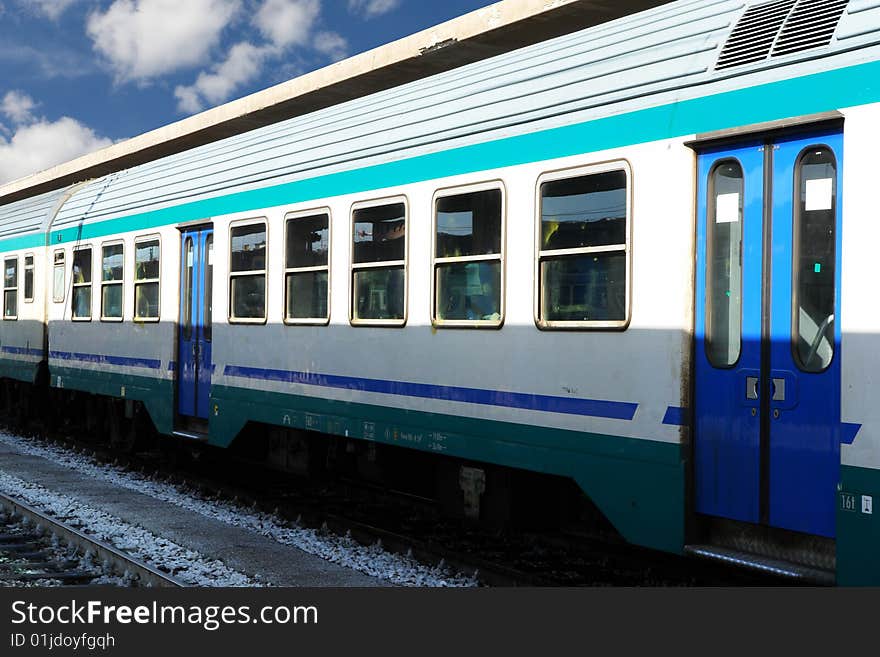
751,387
778,389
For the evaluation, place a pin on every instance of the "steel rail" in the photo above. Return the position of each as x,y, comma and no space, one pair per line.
122,563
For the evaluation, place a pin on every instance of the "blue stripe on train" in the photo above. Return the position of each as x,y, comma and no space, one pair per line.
677,416
592,407
149,363
22,351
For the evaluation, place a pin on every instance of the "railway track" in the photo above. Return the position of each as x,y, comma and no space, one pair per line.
36,548
405,525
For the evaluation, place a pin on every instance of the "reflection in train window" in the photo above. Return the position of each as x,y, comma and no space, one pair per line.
28,278
379,264
146,279
81,303
247,272
58,277
112,265
10,288
724,230
814,259
468,261
307,271
583,255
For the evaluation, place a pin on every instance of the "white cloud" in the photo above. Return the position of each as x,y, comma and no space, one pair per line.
18,107
287,22
243,63
372,8
331,44
44,144
142,39
51,8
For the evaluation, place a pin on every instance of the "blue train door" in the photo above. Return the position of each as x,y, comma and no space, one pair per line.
767,362
194,328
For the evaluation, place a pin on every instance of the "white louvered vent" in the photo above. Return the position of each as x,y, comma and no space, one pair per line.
810,24
754,33
780,27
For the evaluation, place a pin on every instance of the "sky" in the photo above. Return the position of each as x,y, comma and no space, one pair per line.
79,75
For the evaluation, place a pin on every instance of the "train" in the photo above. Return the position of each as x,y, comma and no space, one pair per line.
630,258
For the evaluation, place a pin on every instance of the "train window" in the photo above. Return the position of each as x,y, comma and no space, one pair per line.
146,279
81,303
58,277
208,299
247,273
10,288
189,258
583,249
307,270
112,266
379,264
724,230
28,278
814,259
467,259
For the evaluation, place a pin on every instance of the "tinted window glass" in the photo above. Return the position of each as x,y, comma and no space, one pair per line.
307,295
724,230
380,233
249,248
379,293
469,291
146,259
583,212
469,224
589,287
82,266
28,277
307,241
815,260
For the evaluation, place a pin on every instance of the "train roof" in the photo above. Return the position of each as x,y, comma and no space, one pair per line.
480,34
657,57
30,216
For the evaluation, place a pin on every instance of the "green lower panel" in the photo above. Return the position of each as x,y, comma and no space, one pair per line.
638,484
858,532
157,395
18,370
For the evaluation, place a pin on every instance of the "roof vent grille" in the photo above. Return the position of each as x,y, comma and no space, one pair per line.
780,27
810,24
754,33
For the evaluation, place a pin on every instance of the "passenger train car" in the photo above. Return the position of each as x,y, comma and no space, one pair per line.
637,257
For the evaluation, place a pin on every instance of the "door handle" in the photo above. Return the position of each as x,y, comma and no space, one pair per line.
751,387
778,388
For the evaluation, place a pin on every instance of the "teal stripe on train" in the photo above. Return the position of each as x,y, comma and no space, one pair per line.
809,94
156,394
858,531
638,484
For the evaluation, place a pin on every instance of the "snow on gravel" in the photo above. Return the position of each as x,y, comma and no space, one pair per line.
372,560
184,564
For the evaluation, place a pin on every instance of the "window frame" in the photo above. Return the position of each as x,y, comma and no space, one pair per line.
796,247
120,282
33,269
63,265
711,209
7,259
232,319
90,284
136,282
308,321
621,164
462,190
385,264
